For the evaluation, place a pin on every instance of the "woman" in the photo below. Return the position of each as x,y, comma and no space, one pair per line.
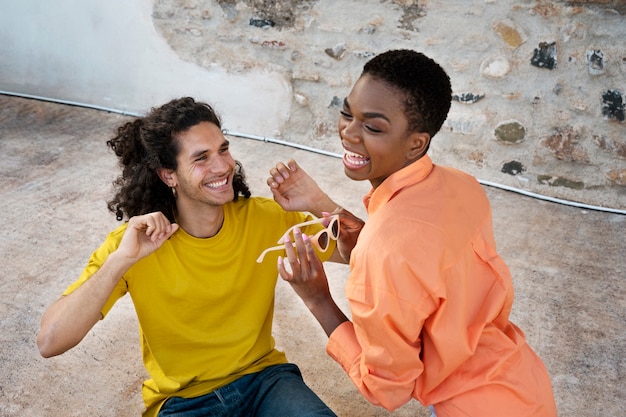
429,296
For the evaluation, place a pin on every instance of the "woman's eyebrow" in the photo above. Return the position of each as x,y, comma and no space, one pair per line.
367,115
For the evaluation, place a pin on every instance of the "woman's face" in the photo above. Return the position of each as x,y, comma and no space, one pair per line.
374,132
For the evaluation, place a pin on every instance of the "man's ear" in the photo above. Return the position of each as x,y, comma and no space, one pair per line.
417,145
167,176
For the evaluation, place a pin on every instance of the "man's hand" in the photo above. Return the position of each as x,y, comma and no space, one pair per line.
144,235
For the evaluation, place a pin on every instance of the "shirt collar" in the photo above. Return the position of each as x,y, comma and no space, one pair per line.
410,174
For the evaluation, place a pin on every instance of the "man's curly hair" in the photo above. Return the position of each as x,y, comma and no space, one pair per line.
422,82
149,143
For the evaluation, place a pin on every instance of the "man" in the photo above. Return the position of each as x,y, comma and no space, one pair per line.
429,295
187,258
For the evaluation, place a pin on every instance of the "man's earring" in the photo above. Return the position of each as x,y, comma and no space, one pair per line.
173,192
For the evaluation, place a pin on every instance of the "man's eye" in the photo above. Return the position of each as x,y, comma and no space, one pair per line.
345,114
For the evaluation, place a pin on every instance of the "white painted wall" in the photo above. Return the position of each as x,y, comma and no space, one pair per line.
108,54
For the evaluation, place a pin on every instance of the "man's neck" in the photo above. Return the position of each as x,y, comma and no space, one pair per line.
203,223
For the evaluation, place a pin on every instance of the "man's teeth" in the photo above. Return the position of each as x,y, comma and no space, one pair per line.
217,184
355,158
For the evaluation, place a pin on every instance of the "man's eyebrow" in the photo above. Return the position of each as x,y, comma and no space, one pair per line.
370,115
198,153
224,145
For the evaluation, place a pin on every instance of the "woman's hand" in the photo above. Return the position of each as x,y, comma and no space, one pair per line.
308,278
295,190
349,229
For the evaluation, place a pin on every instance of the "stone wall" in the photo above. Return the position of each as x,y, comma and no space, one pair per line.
539,86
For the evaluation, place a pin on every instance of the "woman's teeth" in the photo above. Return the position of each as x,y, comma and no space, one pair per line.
355,158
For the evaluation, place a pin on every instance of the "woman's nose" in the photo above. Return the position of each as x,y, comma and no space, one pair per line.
347,131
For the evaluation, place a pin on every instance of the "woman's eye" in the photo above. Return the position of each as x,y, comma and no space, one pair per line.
345,114
372,129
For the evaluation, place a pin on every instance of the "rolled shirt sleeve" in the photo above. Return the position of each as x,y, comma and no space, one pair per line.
380,349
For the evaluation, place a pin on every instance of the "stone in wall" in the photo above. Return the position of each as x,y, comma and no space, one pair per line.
609,6
565,145
336,102
411,11
262,23
495,67
510,33
513,168
336,51
595,62
467,98
617,176
545,56
464,123
612,146
510,132
557,181
613,105
477,157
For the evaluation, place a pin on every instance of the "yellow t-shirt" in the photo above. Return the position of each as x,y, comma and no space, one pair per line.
205,306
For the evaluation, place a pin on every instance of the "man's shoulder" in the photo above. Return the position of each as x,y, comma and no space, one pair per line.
256,203
265,209
118,232
114,237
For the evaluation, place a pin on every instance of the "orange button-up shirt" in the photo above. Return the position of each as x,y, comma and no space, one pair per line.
430,301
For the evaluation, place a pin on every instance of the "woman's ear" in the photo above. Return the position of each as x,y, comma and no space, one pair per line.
417,145
167,176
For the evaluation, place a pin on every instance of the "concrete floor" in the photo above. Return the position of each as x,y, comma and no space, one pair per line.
568,266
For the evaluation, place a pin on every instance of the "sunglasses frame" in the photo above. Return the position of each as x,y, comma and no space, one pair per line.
314,239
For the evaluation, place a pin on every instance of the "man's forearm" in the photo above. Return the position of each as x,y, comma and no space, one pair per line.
69,319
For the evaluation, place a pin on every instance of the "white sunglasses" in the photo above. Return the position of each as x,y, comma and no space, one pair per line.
321,240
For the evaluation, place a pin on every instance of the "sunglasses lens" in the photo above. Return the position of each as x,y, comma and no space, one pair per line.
334,228
322,240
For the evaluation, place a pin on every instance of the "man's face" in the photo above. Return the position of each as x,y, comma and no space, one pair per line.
373,131
205,167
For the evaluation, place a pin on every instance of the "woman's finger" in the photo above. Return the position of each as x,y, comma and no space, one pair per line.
301,249
282,270
293,259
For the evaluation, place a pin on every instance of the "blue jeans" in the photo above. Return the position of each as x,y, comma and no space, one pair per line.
275,391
